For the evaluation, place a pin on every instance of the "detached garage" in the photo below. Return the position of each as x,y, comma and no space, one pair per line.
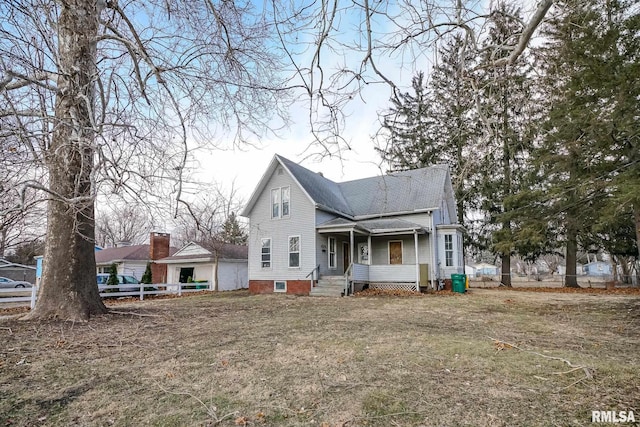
197,262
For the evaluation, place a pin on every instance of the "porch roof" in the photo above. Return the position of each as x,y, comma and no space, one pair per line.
371,226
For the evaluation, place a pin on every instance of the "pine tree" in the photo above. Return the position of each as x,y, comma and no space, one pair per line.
232,232
436,123
589,152
456,120
410,126
146,277
505,104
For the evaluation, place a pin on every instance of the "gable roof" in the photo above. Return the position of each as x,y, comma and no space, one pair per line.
126,253
205,252
399,192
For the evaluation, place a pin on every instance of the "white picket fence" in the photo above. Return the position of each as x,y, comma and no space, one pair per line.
29,295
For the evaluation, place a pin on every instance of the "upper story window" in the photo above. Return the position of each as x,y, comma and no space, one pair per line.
448,250
280,202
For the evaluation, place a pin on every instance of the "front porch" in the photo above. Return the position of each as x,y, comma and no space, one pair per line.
383,254
361,276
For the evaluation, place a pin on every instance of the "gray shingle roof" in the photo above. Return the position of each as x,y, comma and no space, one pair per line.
322,190
126,253
398,192
380,195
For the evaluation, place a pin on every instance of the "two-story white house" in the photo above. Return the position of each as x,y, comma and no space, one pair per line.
310,235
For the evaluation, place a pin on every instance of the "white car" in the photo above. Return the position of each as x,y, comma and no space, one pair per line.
5,282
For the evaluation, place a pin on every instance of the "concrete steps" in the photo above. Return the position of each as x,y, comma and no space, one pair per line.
328,286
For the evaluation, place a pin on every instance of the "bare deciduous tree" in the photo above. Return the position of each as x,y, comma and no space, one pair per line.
113,96
204,220
354,50
122,222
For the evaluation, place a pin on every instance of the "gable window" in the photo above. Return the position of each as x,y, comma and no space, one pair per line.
332,253
294,251
280,202
266,253
275,203
448,250
279,286
285,201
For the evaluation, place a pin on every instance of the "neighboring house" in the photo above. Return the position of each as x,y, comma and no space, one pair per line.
19,272
307,232
197,262
469,270
485,269
597,268
132,260
562,269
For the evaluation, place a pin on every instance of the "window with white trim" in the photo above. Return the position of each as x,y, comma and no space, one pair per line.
286,197
294,251
280,202
265,253
332,252
448,250
279,286
275,203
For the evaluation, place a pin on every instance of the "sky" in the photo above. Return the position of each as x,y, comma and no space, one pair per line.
244,167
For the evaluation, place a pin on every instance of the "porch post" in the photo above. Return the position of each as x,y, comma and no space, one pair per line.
415,240
369,249
351,243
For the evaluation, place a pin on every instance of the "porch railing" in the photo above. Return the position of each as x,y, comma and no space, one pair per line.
355,273
348,283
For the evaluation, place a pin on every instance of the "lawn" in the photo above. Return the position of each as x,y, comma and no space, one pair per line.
487,358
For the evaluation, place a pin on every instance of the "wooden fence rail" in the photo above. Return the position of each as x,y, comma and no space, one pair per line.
29,295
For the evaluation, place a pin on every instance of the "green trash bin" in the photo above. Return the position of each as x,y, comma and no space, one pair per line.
459,283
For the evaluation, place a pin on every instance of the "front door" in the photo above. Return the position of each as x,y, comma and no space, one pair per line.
395,252
345,256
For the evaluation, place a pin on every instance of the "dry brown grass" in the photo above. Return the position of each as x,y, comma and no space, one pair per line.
234,359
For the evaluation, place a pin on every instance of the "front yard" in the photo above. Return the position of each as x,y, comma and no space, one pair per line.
234,359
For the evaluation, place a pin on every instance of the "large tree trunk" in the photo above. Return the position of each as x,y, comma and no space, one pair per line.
69,288
571,278
636,216
506,270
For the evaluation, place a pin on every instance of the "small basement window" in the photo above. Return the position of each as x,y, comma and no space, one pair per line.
279,286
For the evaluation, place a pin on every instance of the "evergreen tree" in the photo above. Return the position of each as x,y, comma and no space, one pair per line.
436,123
589,151
113,279
410,126
232,232
146,277
456,120
506,108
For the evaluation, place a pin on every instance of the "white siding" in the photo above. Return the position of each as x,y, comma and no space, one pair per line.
380,252
301,222
458,264
392,273
192,249
232,275
135,269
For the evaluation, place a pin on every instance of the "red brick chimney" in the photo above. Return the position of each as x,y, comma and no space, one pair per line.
159,248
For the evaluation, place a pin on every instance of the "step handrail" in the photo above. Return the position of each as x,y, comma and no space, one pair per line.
314,277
